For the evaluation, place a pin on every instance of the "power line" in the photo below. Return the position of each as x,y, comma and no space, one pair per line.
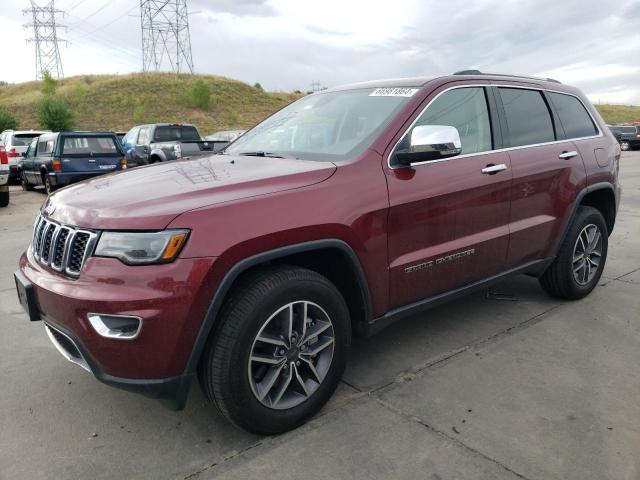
165,35
45,37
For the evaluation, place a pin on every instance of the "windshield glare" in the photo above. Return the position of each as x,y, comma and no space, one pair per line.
326,126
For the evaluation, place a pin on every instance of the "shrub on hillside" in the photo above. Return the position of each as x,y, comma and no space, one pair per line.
7,120
53,114
199,96
258,86
49,84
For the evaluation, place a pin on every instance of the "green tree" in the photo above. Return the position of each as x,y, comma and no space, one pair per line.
49,84
258,86
53,114
199,96
7,120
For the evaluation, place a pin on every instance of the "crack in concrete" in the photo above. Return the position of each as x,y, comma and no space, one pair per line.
224,459
414,419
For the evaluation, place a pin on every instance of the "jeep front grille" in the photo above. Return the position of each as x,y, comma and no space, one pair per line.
63,248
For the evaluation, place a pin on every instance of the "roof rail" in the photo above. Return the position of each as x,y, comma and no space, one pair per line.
478,72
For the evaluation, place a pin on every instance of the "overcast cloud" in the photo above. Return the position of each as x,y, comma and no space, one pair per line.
287,44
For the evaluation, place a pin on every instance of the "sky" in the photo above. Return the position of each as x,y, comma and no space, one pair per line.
288,44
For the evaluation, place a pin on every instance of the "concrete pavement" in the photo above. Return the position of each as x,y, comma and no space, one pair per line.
523,387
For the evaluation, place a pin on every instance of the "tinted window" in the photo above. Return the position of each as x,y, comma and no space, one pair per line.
528,116
172,133
22,140
89,146
463,108
573,116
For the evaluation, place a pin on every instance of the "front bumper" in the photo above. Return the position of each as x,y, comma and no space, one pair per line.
171,298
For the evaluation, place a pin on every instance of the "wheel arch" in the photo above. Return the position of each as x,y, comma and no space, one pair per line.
600,196
333,258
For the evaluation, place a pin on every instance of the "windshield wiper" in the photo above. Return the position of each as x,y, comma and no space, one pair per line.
260,154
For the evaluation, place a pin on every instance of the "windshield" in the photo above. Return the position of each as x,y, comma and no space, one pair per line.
90,146
327,126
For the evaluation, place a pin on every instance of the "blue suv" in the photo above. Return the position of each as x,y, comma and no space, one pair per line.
58,159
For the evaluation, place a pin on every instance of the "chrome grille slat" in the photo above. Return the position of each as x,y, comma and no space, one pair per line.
63,248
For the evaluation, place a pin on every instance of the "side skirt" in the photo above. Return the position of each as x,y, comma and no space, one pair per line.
375,325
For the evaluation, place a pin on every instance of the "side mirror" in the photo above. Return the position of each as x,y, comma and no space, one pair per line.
430,142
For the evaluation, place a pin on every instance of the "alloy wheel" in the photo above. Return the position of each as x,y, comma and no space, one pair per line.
587,254
291,355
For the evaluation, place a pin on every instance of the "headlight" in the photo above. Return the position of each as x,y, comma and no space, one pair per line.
141,248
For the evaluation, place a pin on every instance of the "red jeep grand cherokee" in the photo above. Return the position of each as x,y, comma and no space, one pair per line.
341,213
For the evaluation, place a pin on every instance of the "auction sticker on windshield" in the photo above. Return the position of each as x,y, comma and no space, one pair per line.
393,92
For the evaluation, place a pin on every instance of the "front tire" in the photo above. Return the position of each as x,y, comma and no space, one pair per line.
4,198
577,269
625,146
279,351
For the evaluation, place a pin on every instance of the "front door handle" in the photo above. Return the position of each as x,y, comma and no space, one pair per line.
493,169
568,155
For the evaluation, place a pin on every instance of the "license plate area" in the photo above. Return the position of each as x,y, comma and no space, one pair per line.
26,296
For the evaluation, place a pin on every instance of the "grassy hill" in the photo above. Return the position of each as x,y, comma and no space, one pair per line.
619,113
117,102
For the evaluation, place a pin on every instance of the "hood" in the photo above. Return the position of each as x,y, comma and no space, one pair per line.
148,198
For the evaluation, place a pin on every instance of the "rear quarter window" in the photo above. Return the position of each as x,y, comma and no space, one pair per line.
528,118
45,147
575,119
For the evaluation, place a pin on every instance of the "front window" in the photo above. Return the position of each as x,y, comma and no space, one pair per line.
327,126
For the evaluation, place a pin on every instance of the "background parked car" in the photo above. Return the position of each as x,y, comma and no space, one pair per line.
13,144
162,142
627,135
4,180
223,138
59,159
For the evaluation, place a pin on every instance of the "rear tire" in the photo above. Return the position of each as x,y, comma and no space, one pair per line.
266,397
48,187
4,199
577,269
26,186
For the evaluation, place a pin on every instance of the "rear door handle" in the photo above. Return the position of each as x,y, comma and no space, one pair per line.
568,155
493,169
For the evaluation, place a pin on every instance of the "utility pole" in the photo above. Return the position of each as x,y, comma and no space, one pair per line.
165,36
315,86
45,37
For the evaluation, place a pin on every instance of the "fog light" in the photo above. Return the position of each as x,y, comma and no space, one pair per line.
121,327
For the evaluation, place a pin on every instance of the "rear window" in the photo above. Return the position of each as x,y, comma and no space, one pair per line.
626,130
89,146
528,117
573,116
22,140
171,133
